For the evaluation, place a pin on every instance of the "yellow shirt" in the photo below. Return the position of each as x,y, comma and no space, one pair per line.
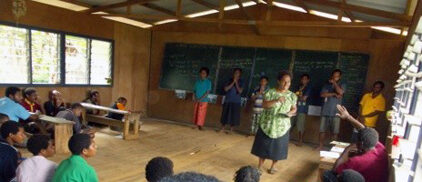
369,105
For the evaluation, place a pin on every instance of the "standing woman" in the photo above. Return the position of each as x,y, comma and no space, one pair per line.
272,139
231,106
200,97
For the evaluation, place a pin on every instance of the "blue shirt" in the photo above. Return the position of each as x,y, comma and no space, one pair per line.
302,106
232,95
201,87
8,161
329,107
12,109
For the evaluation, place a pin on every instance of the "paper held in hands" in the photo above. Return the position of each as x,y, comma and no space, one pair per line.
329,154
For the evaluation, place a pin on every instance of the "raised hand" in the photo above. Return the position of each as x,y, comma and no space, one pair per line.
342,112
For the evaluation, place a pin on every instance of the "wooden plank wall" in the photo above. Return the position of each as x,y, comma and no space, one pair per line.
131,54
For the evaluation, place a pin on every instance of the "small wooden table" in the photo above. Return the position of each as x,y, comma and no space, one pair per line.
327,163
63,130
130,123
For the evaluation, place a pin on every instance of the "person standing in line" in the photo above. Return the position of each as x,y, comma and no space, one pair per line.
231,107
272,139
200,97
258,97
332,92
303,94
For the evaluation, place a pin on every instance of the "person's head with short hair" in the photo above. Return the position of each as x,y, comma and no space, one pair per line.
336,75
122,100
14,93
263,81
204,72
158,168
93,95
76,109
82,144
350,175
237,72
284,79
247,174
368,139
3,118
377,87
190,177
12,132
304,79
30,94
41,145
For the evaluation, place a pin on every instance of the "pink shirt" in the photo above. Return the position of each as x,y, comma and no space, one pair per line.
36,168
373,165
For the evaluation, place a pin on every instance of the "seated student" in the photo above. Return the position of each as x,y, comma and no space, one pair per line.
190,177
368,156
38,168
348,175
119,105
73,114
9,105
76,168
30,100
3,118
54,104
247,174
158,168
11,133
93,98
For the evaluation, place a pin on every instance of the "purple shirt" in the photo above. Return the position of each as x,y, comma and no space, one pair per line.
373,165
232,95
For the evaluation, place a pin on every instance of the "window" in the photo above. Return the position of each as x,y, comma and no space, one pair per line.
76,60
100,62
33,56
14,55
45,51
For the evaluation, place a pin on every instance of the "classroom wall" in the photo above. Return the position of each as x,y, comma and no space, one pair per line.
383,65
131,53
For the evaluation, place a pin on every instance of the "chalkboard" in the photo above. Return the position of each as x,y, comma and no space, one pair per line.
319,66
269,62
182,62
235,57
354,67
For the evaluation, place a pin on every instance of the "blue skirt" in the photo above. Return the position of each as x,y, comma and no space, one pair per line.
270,148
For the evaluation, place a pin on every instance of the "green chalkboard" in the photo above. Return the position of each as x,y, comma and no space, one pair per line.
235,57
269,62
354,67
319,66
182,62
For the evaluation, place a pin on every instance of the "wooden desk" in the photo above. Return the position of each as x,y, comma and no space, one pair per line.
63,130
327,163
130,123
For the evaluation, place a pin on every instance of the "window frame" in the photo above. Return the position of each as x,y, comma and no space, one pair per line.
62,57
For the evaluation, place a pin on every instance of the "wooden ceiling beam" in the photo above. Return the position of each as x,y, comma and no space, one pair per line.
268,12
301,4
158,8
361,9
249,18
221,13
116,5
347,12
179,8
206,4
263,22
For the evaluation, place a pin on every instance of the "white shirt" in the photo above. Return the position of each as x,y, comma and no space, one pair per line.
36,168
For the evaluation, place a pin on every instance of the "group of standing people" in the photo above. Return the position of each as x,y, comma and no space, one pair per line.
277,109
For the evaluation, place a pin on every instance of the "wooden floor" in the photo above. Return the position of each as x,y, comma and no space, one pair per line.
207,152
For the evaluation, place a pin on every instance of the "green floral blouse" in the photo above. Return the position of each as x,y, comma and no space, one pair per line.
273,121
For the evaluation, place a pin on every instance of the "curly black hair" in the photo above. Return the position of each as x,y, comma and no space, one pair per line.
282,74
247,174
190,177
205,69
379,83
3,117
11,91
9,127
350,175
79,142
37,142
158,168
368,137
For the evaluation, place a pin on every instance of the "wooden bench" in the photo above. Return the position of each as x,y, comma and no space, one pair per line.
130,123
63,130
